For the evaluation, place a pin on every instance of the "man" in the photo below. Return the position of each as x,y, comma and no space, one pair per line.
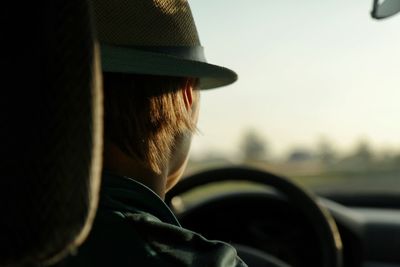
153,69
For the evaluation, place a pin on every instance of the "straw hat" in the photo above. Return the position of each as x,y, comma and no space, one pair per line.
156,37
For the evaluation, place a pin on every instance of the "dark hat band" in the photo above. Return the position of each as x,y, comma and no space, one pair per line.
194,53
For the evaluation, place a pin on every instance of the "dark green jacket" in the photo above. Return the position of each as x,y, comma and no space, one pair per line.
134,227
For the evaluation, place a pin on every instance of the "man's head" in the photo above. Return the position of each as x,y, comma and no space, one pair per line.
153,64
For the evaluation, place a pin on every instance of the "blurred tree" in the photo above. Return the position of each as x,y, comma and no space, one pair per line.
363,152
253,146
325,151
360,158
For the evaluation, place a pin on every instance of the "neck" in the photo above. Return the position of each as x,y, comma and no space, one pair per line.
117,162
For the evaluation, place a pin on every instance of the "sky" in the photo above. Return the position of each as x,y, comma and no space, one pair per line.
308,70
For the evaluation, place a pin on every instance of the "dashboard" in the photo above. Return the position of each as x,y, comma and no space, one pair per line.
372,232
269,222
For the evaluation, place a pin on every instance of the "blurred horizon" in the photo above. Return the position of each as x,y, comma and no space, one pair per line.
308,71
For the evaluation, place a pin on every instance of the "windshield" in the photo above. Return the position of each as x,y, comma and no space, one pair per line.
317,97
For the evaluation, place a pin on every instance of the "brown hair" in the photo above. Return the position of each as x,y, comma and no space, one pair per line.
143,114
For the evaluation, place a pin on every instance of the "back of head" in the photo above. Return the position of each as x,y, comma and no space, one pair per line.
150,52
51,130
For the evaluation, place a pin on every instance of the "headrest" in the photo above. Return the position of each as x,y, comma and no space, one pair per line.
51,129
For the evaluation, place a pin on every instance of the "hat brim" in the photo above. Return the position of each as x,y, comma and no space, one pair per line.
131,60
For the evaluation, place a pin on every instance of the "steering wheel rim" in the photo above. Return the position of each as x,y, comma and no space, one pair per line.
319,216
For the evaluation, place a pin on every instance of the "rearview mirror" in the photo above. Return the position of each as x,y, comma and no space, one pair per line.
385,8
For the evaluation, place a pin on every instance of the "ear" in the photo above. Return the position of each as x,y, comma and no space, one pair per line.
188,94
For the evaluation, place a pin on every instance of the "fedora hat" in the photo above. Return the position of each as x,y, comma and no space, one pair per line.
155,37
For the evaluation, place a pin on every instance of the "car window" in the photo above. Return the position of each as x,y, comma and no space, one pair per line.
318,92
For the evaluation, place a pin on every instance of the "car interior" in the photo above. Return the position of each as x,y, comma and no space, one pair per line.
54,98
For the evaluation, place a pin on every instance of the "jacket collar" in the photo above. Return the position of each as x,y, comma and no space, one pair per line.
121,193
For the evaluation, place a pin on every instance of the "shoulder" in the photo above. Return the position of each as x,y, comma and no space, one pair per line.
141,239
113,242
180,246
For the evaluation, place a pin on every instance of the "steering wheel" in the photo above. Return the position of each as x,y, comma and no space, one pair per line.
319,217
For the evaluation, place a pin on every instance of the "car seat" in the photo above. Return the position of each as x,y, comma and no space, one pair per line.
50,130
